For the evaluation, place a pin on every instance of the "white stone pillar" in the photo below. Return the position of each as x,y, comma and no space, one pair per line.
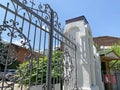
80,30
98,74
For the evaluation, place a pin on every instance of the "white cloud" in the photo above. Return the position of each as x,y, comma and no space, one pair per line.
46,28
18,42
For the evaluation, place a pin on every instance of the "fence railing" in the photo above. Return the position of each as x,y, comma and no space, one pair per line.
32,42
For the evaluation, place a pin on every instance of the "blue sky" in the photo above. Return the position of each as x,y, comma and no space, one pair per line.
102,15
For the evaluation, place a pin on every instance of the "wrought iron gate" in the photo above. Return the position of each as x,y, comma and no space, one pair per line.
32,43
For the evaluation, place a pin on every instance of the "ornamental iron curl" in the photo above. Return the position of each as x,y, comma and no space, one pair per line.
44,11
8,52
68,66
37,28
13,31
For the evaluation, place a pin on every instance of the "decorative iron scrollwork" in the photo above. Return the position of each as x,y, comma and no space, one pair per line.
44,11
24,24
68,66
14,31
57,24
8,52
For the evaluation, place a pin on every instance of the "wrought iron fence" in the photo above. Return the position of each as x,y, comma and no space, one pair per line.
32,40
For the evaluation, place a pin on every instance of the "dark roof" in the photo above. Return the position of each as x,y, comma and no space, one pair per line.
77,19
106,40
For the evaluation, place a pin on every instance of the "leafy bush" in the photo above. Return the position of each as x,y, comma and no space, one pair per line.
37,69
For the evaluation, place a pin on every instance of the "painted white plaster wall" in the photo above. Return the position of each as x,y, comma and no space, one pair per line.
86,76
99,81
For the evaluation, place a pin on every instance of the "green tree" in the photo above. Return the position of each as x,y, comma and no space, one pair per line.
116,48
39,69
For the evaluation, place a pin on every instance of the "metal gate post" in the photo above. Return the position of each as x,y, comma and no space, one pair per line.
49,65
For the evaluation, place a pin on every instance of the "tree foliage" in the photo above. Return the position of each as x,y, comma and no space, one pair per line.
38,69
116,48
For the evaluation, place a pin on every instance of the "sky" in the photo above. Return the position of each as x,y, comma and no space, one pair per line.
102,15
